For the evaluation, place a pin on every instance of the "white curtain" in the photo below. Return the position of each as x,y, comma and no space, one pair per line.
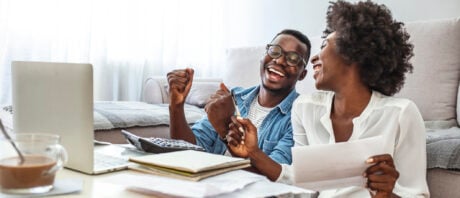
125,40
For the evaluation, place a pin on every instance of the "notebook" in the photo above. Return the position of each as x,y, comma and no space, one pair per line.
189,164
58,98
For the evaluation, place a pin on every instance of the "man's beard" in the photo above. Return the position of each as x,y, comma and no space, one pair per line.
274,90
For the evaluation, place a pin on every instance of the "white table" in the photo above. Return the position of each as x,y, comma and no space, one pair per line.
94,186
97,186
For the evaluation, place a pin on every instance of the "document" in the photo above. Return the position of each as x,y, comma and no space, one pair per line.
233,184
210,187
319,167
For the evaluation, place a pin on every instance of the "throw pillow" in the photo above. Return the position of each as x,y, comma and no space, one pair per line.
199,93
433,85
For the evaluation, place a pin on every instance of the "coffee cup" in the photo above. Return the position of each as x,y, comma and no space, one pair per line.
42,155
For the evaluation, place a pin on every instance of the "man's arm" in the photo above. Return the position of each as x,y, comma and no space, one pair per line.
180,82
219,109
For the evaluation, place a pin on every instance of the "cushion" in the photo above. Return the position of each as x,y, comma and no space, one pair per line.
242,66
152,92
199,93
433,85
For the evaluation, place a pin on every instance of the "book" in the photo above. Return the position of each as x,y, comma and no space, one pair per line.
189,164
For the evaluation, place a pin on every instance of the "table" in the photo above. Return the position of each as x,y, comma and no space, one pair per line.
93,186
97,186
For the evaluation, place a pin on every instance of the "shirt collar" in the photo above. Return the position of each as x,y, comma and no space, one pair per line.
285,105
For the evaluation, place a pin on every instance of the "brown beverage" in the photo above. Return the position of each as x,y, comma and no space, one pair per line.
32,173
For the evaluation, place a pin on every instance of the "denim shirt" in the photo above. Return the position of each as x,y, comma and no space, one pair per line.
274,134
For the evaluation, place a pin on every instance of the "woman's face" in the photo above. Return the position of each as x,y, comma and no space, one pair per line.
328,66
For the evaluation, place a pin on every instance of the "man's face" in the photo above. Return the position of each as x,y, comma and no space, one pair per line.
276,73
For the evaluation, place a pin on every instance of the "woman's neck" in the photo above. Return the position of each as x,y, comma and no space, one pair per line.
351,102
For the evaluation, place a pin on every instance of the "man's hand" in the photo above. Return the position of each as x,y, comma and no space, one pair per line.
242,137
219,110
180,82
382,175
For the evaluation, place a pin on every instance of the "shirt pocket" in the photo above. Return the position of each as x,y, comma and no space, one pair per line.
268,146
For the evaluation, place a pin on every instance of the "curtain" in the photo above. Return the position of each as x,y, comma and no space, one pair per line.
125,40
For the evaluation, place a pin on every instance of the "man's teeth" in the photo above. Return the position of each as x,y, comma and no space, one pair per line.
276,72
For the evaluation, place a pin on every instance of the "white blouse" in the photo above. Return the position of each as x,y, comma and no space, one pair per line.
397,119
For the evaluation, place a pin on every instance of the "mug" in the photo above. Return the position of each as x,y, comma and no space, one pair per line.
43,157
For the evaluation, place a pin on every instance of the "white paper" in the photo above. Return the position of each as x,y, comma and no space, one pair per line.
157,185
270,189
319,167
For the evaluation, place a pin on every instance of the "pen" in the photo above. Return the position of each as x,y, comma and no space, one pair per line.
237,112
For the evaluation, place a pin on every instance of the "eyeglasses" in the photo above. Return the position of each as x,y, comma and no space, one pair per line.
292,58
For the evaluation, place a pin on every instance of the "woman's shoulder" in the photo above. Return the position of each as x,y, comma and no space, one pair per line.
394,102
319,98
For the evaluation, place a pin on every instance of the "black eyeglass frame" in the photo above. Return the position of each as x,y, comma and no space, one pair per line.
283,53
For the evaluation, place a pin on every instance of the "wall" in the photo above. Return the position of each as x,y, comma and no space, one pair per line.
255,22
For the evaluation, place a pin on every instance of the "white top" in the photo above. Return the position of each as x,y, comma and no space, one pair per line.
257,113
397,119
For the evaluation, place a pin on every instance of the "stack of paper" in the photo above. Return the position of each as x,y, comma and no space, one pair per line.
189,164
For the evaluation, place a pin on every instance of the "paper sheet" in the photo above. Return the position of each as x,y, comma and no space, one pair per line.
213,186
319,167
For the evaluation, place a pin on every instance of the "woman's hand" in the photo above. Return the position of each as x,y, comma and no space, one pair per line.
242,137
382,175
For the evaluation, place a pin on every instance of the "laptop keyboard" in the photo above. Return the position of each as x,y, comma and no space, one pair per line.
102,161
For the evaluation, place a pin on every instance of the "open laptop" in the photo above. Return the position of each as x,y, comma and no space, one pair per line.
58,98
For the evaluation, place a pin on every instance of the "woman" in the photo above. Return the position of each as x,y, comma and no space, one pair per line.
362,63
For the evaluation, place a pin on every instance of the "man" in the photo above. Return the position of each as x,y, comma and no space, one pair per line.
268,105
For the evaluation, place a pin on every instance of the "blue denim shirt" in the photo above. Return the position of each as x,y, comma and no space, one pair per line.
274,134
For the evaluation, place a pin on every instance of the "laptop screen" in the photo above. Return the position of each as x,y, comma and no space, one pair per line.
56,98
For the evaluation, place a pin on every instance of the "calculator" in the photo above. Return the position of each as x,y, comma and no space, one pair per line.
159,145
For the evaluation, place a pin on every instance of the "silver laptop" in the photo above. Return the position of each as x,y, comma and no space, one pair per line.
58,98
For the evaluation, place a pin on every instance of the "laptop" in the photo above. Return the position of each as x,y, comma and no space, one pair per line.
58,98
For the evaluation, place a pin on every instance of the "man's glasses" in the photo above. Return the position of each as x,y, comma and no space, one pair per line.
292,58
